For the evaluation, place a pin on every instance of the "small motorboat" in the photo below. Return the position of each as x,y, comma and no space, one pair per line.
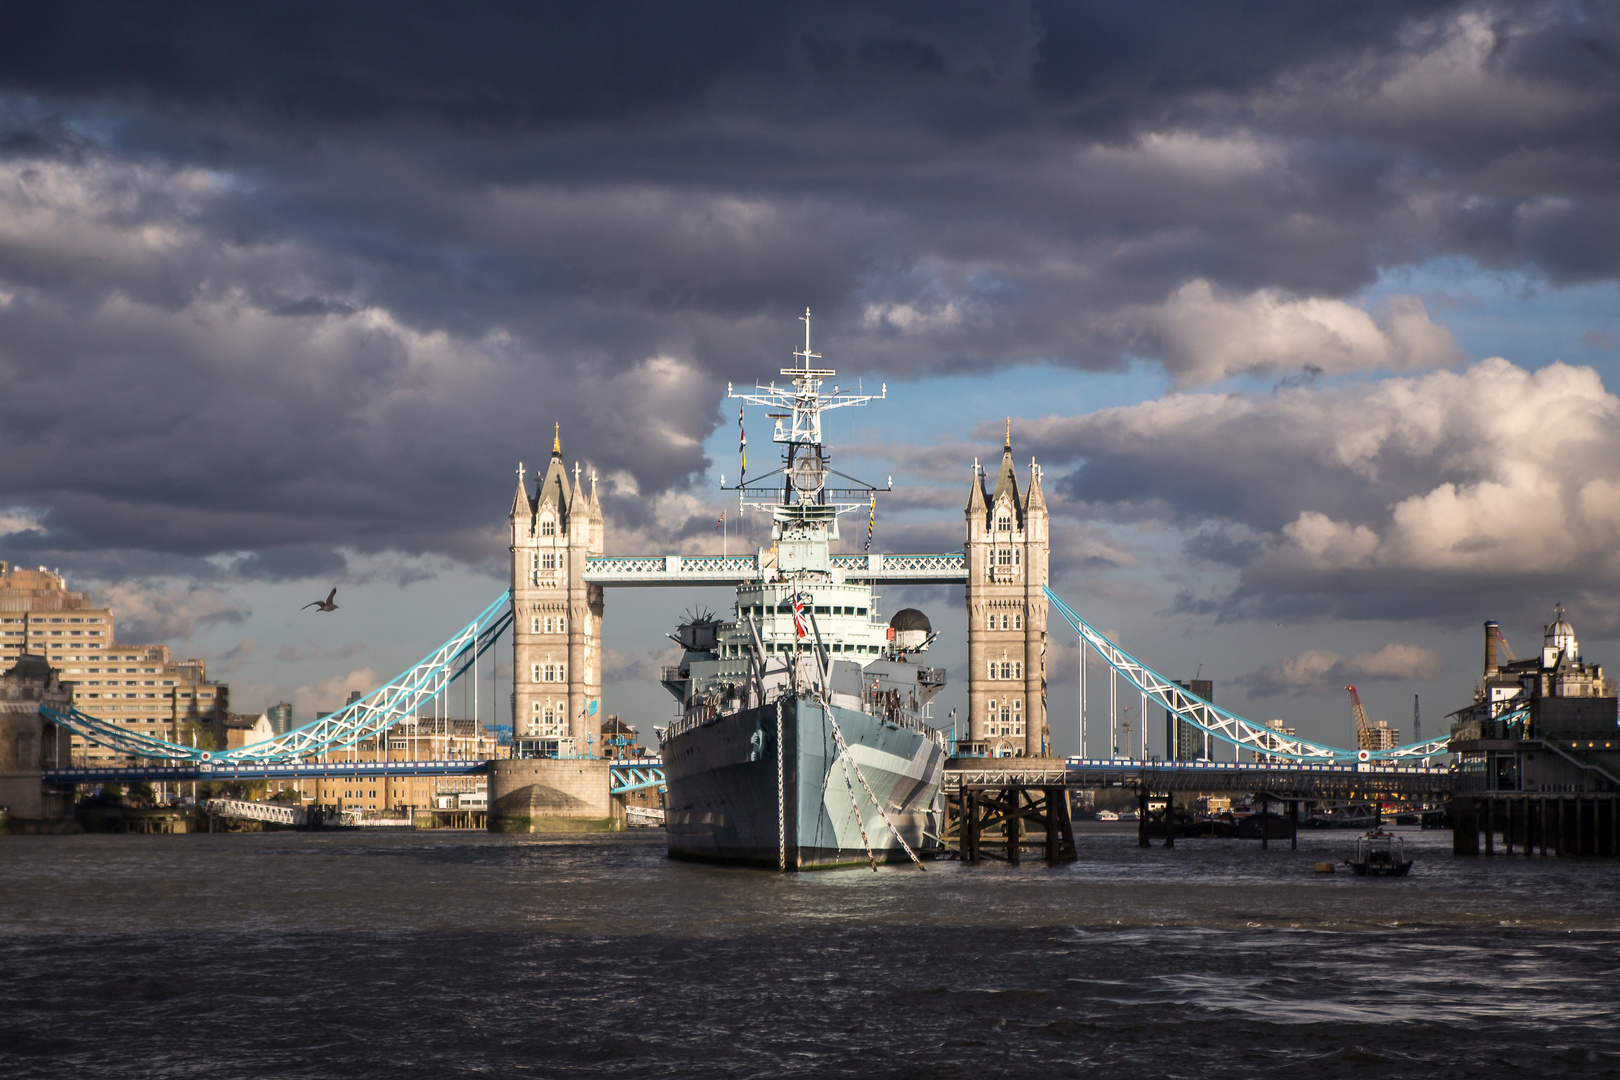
1379,854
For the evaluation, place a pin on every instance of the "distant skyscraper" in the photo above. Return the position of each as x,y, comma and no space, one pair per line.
1184,741
280,715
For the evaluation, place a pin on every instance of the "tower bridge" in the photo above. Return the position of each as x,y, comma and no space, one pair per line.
560,573
554,610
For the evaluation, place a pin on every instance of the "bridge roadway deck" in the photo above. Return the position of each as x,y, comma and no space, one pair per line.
628,774
291,771
874,567
1282,781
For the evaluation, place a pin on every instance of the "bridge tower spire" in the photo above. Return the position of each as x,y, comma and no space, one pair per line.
557,616
1008,544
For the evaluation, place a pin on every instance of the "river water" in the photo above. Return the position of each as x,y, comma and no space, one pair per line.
440,955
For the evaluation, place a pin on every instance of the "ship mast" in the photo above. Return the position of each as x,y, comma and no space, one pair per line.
799,491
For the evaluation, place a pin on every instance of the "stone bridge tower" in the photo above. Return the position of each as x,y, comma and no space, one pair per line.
1008,543
557,617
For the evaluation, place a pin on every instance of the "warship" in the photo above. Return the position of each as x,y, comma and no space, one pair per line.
802,740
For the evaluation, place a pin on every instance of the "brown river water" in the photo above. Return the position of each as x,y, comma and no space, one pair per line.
439,955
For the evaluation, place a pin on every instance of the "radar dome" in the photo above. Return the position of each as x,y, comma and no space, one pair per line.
910,629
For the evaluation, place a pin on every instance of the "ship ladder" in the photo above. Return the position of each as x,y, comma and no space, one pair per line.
848,762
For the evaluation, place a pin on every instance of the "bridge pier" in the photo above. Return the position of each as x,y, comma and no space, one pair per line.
548,795
1020,811
30,744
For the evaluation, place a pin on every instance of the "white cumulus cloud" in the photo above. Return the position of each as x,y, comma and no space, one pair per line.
328,694
1425,495
1203,336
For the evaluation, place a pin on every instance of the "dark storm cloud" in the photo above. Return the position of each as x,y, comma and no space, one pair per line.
289,278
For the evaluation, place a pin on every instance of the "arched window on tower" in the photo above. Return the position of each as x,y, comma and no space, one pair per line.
1004,523
548,527
1018,622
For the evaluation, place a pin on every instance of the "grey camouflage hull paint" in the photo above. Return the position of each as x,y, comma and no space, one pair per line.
721,798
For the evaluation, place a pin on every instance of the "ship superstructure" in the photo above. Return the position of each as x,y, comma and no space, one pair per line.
802,740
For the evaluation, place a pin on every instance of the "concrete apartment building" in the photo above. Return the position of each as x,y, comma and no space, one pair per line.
141,686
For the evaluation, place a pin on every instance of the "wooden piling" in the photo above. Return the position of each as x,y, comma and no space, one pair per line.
1012,822
970,825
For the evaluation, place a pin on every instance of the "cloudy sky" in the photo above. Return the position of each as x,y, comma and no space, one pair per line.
1309,312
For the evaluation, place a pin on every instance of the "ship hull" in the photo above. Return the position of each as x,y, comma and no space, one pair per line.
724,802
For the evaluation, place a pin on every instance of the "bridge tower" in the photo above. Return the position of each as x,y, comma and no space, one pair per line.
1007,546
557,616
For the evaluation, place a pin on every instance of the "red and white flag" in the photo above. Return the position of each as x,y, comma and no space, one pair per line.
799,626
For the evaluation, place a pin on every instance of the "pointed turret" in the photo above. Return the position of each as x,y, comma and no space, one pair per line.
1007,479
577,496
1035,501
554,486
521,506
976,497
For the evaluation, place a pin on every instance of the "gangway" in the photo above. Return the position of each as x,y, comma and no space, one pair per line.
244,810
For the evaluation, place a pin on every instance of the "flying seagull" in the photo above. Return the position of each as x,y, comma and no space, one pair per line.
323,605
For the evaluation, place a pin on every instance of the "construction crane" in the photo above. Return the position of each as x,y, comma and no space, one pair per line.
1505,649
1364,731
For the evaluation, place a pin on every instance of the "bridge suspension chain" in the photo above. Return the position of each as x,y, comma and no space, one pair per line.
372,714
1216,721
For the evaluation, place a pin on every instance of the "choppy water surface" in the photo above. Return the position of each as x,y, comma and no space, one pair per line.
454,954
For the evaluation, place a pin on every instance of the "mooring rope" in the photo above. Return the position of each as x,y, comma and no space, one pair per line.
856,803
843,756
781,796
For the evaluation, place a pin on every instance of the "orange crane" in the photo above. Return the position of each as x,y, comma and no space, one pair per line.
1507,650
1364,735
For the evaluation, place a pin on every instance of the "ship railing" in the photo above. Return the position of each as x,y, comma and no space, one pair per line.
885,705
